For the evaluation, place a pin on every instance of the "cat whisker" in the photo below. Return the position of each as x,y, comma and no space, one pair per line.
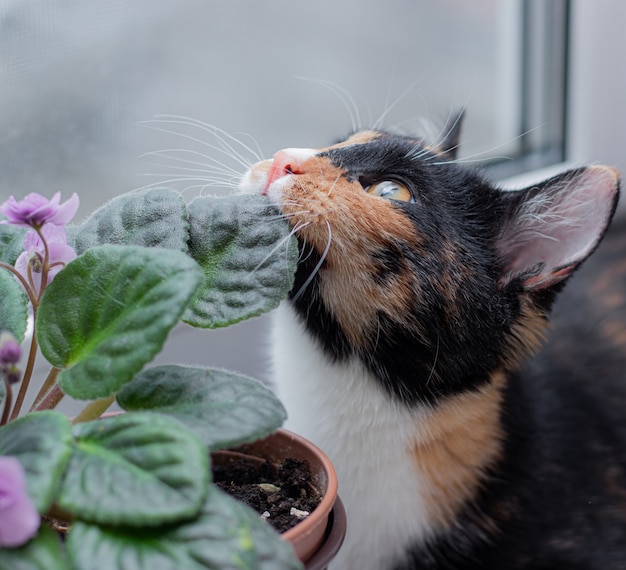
167,155
220,134
217,164
424,149
280,244
195,172
472,157
390,107
344,96
230,181
332,186
303,257
206,170
204,183
317,267
216,174
472,161
419,151
232,155
445,133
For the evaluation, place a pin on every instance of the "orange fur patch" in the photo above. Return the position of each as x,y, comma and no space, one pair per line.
615,331
458,441
357,138
324,206
527,334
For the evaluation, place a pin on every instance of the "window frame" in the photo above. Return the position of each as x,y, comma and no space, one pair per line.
541,78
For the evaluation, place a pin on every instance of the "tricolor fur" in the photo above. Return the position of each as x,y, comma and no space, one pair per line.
405,351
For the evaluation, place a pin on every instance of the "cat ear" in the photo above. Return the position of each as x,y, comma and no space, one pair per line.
449,146
552,227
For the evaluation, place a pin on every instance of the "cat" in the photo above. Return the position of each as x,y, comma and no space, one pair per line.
410,351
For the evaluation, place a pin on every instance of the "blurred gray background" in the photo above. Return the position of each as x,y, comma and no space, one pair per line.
85,86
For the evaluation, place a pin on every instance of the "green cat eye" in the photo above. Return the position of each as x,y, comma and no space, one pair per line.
391,191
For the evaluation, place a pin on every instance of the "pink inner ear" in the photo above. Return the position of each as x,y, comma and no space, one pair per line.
560,226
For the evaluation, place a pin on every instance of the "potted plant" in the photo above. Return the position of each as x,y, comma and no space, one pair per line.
135,487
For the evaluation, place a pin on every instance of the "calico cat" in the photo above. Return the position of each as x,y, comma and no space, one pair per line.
409,351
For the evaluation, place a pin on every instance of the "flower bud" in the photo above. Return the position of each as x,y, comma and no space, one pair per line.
12,373
10,350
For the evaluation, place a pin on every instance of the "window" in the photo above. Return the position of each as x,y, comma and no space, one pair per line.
84,82
79,78
540,82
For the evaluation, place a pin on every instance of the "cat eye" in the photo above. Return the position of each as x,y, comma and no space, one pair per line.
391,191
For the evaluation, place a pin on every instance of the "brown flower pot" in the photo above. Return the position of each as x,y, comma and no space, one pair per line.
317,538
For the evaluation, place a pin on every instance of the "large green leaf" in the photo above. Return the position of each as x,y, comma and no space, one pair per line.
225,536
11,243
225,409
247,255
151,218
13,305
108,312
41,441
137,469
43,552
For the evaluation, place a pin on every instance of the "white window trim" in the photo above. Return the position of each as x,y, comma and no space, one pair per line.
597,86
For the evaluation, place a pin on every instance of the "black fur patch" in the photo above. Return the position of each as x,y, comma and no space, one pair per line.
460,317
557,498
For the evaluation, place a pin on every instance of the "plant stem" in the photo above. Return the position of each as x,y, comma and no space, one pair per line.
94,409
29,290
52,398
7,402
47,385
45,268
26,378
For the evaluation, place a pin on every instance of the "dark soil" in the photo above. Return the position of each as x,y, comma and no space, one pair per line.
271,489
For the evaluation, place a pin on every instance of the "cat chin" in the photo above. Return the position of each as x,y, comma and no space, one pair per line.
340,407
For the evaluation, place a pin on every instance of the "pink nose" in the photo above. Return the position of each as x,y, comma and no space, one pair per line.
283,164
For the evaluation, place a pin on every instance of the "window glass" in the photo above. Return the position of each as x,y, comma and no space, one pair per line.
81,79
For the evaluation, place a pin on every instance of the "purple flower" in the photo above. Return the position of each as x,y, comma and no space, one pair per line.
19,519
34,255
35,210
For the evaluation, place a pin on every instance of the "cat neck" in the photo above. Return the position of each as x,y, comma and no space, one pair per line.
424,463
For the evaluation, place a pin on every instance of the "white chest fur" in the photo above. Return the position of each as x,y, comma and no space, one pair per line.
368,438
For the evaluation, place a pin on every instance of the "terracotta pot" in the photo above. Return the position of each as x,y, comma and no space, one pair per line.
316,539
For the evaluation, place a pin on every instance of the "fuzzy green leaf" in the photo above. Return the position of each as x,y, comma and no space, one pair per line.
11,243
13,305
225,536
41,441
108,313
155,217
223,408
137,469
247,255
43,552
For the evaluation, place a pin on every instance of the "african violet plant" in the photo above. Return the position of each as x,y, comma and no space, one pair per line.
104,296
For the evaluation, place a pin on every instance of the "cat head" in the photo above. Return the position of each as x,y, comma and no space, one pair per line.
431,275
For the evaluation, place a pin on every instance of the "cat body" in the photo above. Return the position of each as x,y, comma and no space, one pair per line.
406,352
